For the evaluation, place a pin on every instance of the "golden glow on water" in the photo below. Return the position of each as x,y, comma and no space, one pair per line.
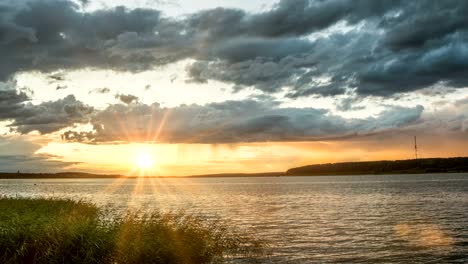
348,219
424,235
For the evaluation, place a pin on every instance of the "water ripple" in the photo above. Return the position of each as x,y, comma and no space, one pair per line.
352,219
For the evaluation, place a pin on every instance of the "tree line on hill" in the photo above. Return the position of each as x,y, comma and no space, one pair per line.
431,165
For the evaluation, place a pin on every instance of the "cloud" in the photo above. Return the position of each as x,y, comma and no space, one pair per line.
11,101
348,104
232,122
56,77
45,118
289,18
421,22
102,90
264,74
51,116
127,98
54,34
18,153
32,163
371,48
452,118
314,71
395,50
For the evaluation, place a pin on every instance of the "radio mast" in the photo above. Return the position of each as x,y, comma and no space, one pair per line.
415,148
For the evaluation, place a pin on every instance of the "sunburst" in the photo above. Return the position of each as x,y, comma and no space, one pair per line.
144,161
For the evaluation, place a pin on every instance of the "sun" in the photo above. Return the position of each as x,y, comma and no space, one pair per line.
144,161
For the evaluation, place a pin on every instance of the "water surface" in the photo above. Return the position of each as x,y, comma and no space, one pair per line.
326,219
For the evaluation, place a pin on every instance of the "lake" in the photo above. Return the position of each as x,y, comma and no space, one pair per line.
320,219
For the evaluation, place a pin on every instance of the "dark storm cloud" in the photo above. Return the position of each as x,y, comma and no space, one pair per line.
305,73
53,34
421,22
401,47
231,122
51,116
288,18
264,74
46,117
392,47
11,100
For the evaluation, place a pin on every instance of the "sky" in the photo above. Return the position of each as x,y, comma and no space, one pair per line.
180,87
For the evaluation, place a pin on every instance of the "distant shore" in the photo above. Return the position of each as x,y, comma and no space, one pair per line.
81,175
411,166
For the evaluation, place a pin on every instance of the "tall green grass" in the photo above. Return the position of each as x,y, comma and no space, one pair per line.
66,231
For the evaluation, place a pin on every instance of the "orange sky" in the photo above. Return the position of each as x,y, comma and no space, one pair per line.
191,159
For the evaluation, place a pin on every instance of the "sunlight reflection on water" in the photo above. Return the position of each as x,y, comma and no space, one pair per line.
352,219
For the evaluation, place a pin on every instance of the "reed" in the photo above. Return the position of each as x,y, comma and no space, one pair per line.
67,231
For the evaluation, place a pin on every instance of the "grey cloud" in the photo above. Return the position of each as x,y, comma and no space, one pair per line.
455,117
60,36
397,47
51,116
17,153
46,117
102,90
243,49
11,101
231,122
348,104
447,64
423,21
288,18
402,47
56,77
301,17
264,74
226,122
36,163
395,117
304,73
462,102
127,98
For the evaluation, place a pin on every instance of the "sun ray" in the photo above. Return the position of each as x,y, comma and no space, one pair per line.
162,123
115,185
122,126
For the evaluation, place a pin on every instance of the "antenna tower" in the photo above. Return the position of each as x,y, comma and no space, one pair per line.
415,148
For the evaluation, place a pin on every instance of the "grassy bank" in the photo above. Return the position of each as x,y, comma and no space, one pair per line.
65,231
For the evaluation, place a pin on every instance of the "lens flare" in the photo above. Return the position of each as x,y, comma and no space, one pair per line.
144,161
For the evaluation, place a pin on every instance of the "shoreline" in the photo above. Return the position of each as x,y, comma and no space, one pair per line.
384,167
227,176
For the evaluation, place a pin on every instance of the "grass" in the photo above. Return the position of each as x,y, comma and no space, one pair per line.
66,231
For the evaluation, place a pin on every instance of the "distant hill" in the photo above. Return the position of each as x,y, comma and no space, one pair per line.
60,175
82,175
432,165
221,175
